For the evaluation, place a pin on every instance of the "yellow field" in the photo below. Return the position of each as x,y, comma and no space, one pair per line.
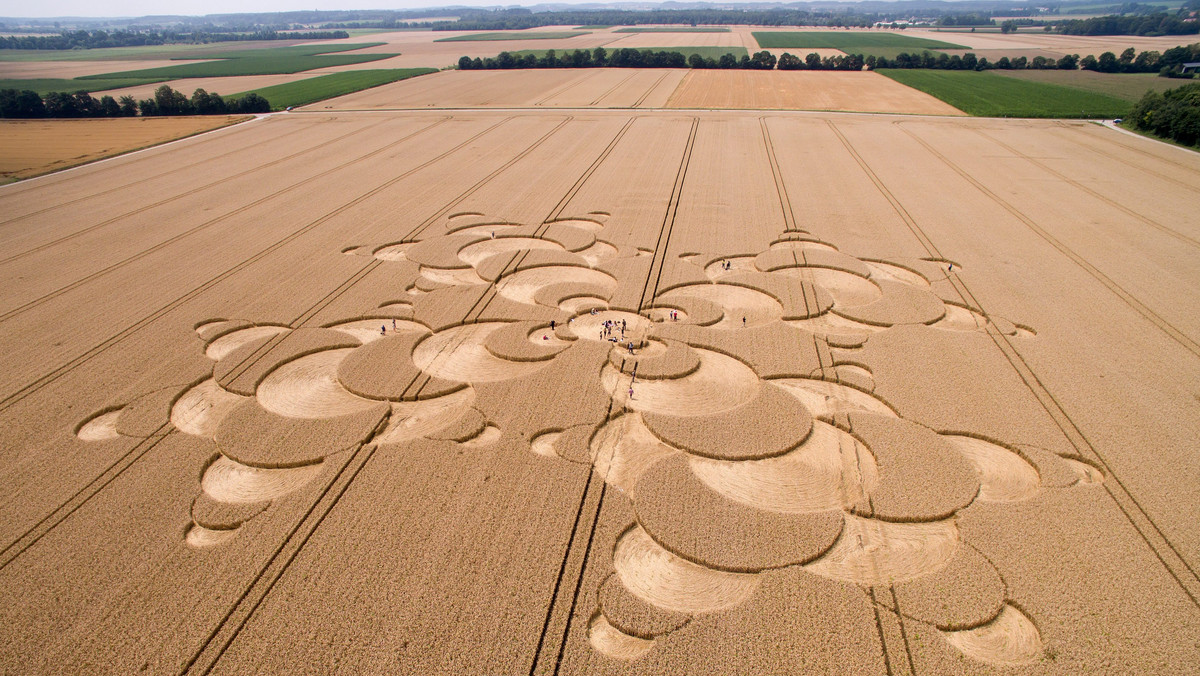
35,147
370,388
803,90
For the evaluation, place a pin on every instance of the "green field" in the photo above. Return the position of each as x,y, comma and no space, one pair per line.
706,52
254,62
847,41
489,37
595,27
45,86
674,29
989,95
1128,86
324,87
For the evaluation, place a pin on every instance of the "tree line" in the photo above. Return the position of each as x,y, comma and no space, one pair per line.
166,101
1173,114
618,58
98,39
1166,63
1146,24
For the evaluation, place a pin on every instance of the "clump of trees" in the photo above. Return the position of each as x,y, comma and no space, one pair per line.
1173,114
166,101
618,58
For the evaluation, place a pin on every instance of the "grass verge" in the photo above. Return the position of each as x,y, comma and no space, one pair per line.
986,94
489,37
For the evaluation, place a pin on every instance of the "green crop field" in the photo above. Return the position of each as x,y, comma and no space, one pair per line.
706,52
673,29
489,37
303,92
847,41
45,86
989,95
595,27
1128,86
255,62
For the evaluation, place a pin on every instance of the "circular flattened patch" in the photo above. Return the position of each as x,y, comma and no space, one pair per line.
697,524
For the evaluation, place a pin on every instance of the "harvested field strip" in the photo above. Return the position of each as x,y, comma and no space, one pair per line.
845,41
1164,550
674,29
324,87
15,397
533,35
172,198
5,316
990,95
10,192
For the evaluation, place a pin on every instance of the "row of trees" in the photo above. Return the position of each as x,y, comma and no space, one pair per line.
83,39
28,104
618,58
1173,114
1147,24
1128,62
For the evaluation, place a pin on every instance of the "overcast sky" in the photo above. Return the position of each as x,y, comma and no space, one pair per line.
51,8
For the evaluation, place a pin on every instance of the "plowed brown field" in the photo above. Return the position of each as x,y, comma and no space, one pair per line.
580,391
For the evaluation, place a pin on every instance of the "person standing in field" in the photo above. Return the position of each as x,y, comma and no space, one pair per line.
383,330
743,322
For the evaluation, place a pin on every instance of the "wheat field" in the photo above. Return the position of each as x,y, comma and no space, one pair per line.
634,391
